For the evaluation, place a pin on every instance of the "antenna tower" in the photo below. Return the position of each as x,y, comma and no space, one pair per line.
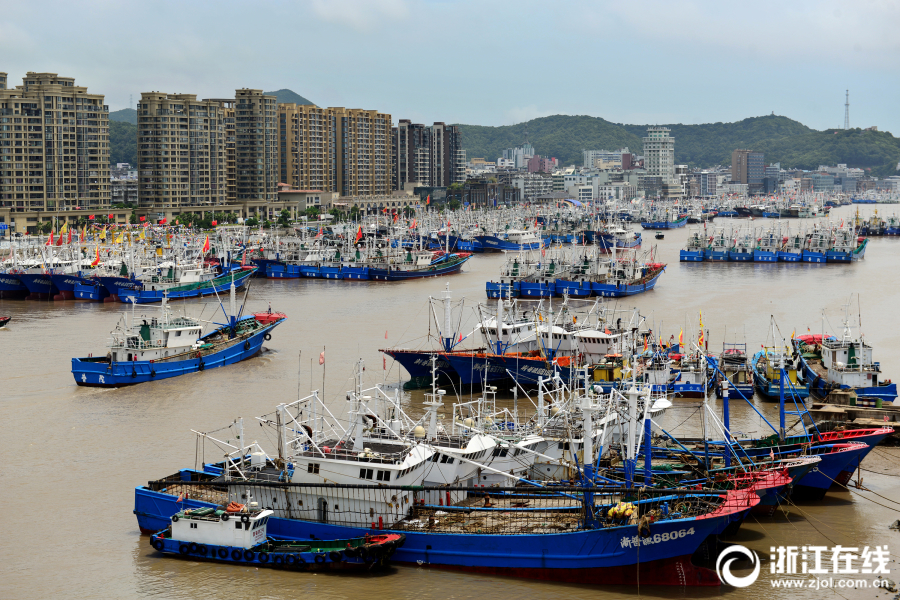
847,111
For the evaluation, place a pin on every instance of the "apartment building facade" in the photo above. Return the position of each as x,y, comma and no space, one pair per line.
659,154
54,148
256,150
306,147
430,156
362,165
181,151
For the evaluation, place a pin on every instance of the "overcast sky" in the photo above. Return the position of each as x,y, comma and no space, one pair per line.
483,62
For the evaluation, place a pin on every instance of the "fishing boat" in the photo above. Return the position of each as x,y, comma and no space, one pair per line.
11,286
163,287
737,373
768,365
423,265
4,321
695,249
582,533
513,239
847,363
167,346
238,534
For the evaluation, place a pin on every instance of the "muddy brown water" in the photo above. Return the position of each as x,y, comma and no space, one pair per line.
73,455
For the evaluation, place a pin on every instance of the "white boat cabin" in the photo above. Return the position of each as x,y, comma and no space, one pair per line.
155,339
239,530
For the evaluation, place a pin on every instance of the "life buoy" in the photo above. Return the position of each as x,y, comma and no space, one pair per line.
201,366
245,519
236,554
278,560
336,556
320,558
290,560
183,549
193,547
249,555
263,557
223,553
268,336
152,373
246,345
159,545
174,518
225,516
202,550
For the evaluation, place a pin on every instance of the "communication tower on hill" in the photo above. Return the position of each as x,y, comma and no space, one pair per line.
847,111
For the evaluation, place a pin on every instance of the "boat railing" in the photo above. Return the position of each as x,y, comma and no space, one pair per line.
456,509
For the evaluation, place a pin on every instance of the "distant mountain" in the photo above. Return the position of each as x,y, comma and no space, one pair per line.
782,140
126,115
289,97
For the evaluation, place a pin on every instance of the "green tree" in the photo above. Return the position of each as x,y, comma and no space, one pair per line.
312,212
337,214
133,219
408,211
454,204
46,227
251,222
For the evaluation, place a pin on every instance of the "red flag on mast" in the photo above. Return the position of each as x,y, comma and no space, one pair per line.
206,245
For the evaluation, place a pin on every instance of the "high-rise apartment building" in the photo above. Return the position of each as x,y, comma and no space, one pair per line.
659,154
430,155
362,153
2,81
256,152
181,151
54,145
748,167
306,147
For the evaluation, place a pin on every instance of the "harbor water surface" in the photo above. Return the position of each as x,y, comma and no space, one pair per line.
72,455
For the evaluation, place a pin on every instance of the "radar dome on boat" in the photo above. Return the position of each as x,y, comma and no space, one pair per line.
419,432
469,422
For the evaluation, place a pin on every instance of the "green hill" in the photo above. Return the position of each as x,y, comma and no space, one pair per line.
782,140
561,136
122,142
126,115
288,97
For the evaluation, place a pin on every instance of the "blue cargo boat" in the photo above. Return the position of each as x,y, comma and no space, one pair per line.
11,286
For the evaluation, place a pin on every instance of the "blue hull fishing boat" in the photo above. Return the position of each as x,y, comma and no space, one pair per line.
11,286
680,222
497,290
444,266
40,285
764,255
66,283
191,290
574,289
169,346
582,553
618,290
91,289
512,240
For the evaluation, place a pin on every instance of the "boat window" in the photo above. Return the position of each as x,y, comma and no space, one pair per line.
312,468
237,524
365,473
384,475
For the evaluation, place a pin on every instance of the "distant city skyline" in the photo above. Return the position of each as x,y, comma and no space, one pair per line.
461,61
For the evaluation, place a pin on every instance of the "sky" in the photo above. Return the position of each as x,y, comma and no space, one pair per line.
482,62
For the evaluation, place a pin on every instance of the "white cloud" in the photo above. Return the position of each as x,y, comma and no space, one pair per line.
361,15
